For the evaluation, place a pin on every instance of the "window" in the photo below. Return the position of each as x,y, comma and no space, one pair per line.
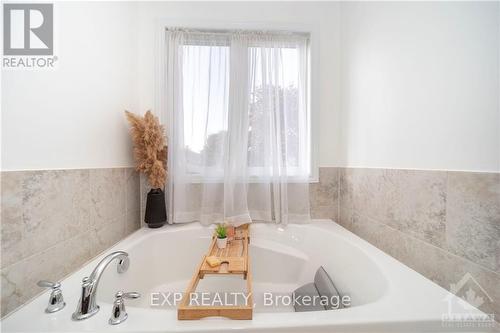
205,99
245,89
282,92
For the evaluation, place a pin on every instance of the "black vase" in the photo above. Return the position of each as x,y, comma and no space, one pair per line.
156,213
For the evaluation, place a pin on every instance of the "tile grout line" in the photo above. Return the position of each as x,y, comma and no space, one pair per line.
68,169
67,239
46,249
73,271
339,170
87,256
63,240
423,170
432,245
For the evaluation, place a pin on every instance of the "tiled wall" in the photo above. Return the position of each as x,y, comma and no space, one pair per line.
441,224
323,195
53,221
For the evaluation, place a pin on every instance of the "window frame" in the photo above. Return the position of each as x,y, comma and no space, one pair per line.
312,76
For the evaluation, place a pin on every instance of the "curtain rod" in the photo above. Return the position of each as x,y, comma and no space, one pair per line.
239,31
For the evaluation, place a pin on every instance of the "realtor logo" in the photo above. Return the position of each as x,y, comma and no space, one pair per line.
28,29
465,297
471,294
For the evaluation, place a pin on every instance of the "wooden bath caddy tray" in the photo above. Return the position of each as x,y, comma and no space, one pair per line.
236,261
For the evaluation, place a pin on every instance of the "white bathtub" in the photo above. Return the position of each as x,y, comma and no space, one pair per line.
385,294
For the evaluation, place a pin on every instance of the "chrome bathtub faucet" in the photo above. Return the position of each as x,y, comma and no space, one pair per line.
118,313
87,306
56,300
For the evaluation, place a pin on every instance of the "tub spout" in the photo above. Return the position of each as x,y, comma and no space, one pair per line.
87,306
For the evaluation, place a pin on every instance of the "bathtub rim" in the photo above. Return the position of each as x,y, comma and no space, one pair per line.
367,315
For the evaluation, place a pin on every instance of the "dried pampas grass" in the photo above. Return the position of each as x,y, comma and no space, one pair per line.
150,150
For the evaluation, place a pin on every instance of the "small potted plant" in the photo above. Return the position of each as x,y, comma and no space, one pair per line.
221,232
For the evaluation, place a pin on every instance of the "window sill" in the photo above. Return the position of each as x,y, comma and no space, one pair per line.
200,180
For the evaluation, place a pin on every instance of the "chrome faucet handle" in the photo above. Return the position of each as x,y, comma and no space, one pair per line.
118,313
56,300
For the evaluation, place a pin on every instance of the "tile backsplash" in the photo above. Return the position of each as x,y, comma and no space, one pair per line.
323,194
53,221
443,224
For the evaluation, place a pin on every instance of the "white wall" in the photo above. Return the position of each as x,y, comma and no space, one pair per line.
72,117
401,85
322,17
420,85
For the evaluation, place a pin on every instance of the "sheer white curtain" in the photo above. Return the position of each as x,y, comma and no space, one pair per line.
239,127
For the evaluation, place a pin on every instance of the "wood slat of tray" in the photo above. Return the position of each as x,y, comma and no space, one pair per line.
235,260
234,256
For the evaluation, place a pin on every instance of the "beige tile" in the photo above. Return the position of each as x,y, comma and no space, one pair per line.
144,195
382,236
132,222
19,280
106,236
132,191
325,192
473,217
54,221
329,176
418,204
10,299
446,269
12,226
323,195
345,199
44,208
324,212
432,262
411,201
107,193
